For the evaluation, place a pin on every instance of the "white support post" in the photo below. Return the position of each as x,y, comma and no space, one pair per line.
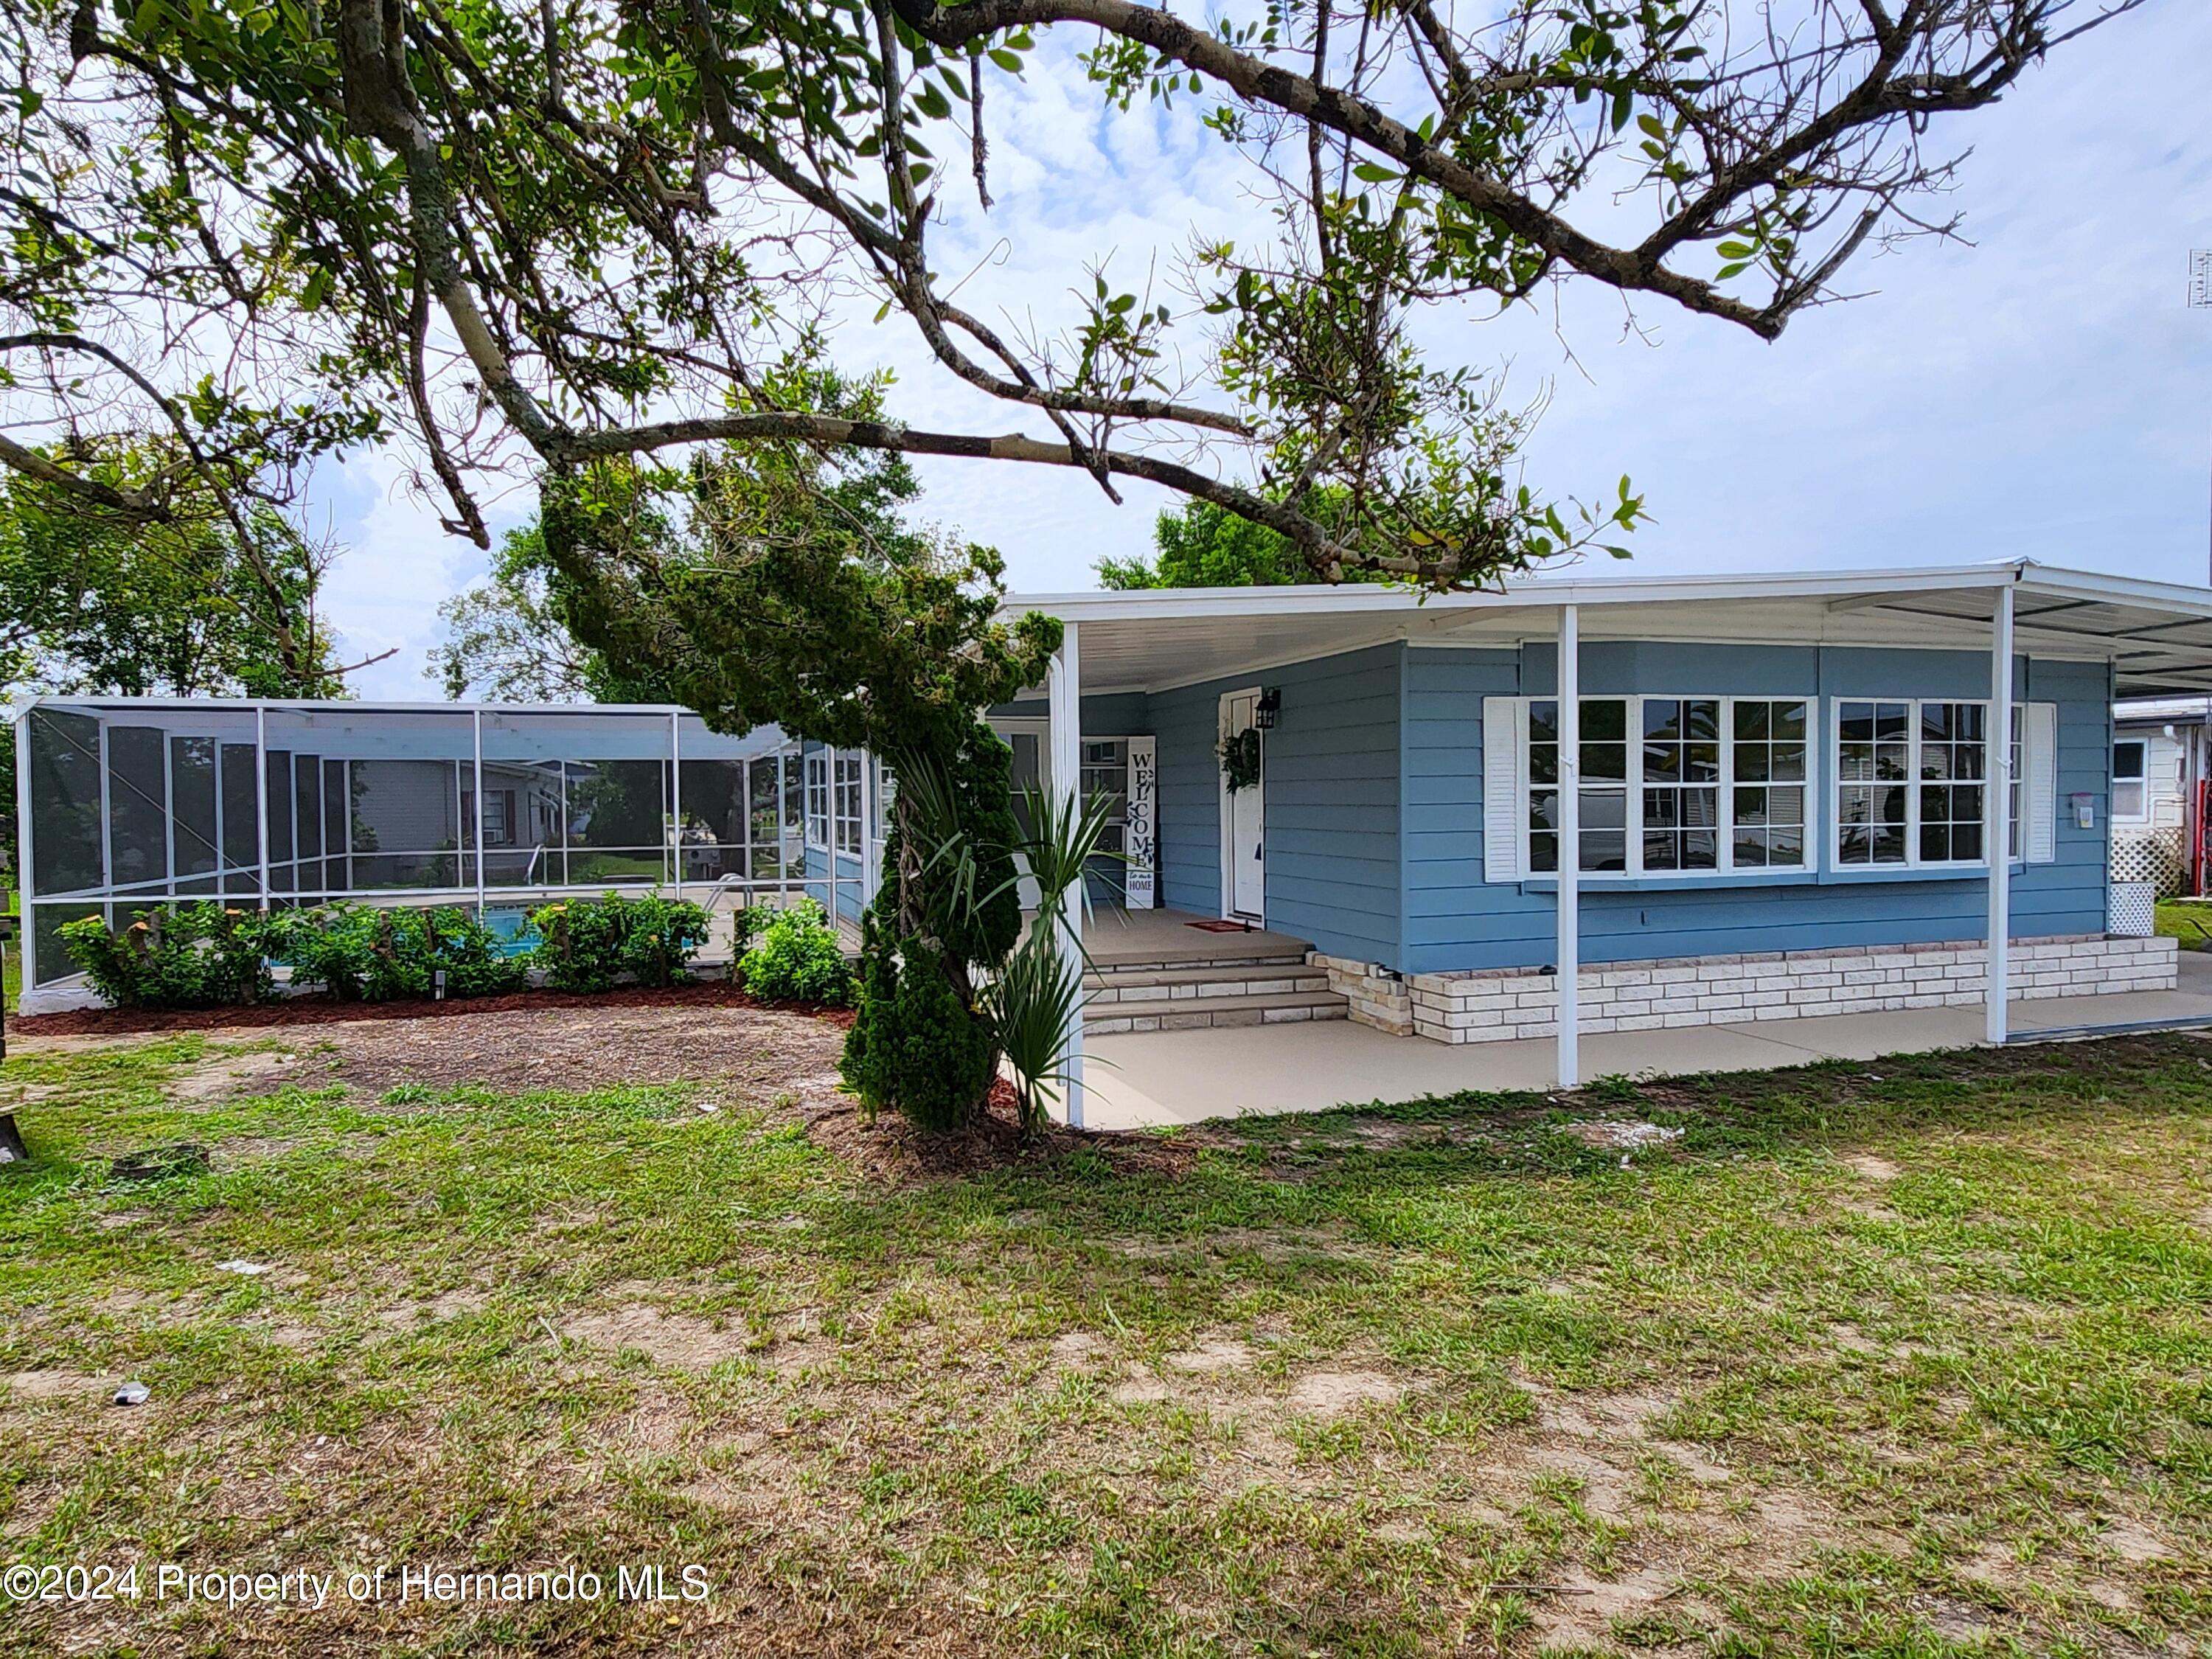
869,865
1570,948
169,811
26,896
829,831
1064,701
676,796
107,798
1997,835
261,797
476,738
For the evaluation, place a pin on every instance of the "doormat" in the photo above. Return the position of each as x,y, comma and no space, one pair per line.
1221,926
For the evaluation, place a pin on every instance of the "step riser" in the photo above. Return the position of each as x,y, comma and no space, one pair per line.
1149,998
1126,970
1118,1024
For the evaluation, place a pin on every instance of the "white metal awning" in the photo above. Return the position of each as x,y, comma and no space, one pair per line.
2157,635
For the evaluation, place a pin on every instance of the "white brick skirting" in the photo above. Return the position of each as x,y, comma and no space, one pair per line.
1378,997
1492,1006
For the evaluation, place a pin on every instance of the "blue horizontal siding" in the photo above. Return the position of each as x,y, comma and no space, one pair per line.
1332,783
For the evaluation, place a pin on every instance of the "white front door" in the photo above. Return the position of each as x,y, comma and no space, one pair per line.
1244,886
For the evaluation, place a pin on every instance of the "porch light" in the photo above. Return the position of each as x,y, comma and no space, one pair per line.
1269,706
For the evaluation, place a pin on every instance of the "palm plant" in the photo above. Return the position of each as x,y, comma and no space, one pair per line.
1037,995
1030,993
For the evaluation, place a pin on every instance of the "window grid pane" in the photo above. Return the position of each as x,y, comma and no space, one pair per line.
1681,783
1953,768
1603,731
818,800
2014,788
1768,761
1713,783
848,803
1544,786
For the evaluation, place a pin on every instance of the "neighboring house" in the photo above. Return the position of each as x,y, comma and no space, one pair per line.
1783,806
2162,776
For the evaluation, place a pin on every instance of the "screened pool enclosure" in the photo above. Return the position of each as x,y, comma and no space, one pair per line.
124,802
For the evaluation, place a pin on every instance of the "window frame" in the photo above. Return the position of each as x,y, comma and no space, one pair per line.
2017,793
1725,787
2140,780
814,811
848,829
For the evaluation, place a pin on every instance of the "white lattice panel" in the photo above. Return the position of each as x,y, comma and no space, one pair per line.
2130,909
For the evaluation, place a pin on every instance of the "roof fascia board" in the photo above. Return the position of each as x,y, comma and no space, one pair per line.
1544,594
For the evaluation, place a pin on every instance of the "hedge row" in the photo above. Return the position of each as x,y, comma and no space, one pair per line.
208,956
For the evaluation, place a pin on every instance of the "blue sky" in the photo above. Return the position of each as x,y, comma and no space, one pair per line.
2043,391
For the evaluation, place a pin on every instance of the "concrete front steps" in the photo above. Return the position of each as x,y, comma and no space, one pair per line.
1264,988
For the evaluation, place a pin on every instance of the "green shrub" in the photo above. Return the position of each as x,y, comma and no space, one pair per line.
798,960
192,956
915,1047
360,953
585,945
334,947
413,944
867,1064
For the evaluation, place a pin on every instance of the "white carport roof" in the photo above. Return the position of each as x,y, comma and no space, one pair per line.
2158,635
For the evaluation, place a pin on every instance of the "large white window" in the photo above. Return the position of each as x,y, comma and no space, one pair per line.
1680,788
1912,782
1674,786
2131,781
818,800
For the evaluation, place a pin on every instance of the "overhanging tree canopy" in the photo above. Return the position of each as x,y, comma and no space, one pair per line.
593,226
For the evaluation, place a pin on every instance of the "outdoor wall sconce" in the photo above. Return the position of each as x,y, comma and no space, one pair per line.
1269,706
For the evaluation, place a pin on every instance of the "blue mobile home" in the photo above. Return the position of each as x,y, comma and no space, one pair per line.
1781,790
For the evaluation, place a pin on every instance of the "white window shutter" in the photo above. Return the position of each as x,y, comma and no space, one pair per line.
1505,747
2039,798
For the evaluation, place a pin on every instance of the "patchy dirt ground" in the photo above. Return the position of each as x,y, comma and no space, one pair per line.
761,1053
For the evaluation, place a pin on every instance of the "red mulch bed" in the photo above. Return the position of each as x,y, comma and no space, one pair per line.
322,1011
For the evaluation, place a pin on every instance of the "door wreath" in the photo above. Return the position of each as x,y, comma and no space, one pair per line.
1239,753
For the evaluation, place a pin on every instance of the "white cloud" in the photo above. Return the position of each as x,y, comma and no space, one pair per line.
383,592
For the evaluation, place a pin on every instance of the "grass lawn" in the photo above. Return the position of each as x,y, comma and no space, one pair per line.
2178,919
1900,1360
